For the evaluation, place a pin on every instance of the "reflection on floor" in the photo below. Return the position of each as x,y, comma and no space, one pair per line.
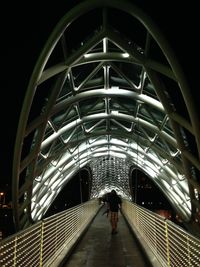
98,248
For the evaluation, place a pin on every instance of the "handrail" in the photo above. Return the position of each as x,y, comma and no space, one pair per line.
169,244
48,241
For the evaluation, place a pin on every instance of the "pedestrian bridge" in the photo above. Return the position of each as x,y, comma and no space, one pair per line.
105,100
81,236
107,94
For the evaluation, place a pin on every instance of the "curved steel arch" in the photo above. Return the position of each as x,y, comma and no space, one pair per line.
108,98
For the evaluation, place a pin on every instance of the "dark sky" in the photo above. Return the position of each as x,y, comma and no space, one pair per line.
25,28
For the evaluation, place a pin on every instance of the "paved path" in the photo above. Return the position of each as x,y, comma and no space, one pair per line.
98,248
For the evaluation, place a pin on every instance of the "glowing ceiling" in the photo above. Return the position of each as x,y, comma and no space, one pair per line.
100,91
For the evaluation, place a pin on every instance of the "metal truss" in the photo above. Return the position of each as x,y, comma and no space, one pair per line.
105,96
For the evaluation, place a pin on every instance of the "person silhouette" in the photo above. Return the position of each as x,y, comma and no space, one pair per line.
114,204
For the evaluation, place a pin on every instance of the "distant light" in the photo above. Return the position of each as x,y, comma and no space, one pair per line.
125,55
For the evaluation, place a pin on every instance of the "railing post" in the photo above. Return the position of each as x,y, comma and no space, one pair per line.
41,244
15,253
188,251
167,244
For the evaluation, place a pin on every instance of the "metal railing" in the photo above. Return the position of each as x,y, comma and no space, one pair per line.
171,245
47,242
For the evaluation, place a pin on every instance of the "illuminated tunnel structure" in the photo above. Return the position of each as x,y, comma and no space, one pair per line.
102,98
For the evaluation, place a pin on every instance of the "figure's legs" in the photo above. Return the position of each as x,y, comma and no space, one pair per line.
113,221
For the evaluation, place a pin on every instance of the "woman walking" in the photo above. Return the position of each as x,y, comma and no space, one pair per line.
114,204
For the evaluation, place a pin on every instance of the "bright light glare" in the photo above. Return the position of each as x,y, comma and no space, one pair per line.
125,55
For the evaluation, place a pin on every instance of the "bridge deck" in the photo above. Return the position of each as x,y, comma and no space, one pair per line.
98,248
